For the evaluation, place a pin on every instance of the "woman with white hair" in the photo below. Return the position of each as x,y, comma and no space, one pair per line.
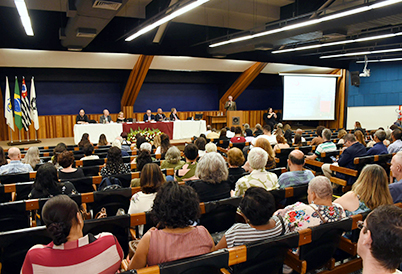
213,174
259,177
211,147
117,143
320,209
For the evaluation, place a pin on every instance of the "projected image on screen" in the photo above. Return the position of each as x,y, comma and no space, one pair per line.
309,98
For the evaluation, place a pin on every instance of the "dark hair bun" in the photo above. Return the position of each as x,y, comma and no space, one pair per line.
58,233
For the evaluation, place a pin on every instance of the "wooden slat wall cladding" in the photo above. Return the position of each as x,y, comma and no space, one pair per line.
58,126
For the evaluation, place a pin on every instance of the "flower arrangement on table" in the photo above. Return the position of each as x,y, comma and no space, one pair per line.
149,134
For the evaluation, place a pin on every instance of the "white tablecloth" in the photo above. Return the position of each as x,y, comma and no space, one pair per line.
181,130
95,130
186,128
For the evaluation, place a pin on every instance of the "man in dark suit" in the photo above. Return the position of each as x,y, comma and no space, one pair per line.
160,116
105,118
148,117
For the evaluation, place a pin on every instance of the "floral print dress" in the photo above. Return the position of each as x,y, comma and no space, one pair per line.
300,216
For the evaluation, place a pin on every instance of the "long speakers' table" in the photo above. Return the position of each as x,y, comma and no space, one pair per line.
166,127
95,130
176,130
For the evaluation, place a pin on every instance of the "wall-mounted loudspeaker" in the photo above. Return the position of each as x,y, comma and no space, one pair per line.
354,78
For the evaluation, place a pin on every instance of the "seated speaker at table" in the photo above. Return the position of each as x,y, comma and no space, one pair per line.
148,117
160,116
82,118
173,115
105,118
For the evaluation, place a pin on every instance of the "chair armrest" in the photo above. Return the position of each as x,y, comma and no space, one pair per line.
338,181
314,162
293,261
344,170
347,246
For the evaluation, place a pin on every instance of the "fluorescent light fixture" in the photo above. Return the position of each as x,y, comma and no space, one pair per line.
167,18
380,60
309,22
361,53
23,12
339,43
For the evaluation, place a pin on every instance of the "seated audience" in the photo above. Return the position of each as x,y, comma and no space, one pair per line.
388,138
230,132
117,143
139,139
176,208
258,130
84,140
160,116
379,243
70,249
396,187
143,158
173,115
209,130
379,147
15,166
3,159
211,147
223,135
265,145
300,132
257,208
164,146
286,127
281,142
326,146
238,138
396,141
297,141
172,158
213,174
88,150
247,130
105,118
341,135
150,182
157,142
187,170
213,134
259,177
82,118
278,129
368,192
288,136
235,161
145,147
353,149
320,209
267,135
149,117
47,183
360,137
318,140
60,147
125,144
66,160
358,126
103,141
296,175
114,163
200,143
32,157
120,117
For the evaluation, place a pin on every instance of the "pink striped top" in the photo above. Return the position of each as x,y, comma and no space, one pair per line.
102,256
166,247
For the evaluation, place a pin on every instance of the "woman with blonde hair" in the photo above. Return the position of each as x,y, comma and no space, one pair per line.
172,158
341,134
32,157
368,192
360,137
157,142
265,145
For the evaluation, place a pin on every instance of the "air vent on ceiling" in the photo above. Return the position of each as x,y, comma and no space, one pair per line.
86,32
107,4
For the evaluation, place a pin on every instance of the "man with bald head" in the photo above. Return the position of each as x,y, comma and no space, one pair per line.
296,175
230,104
149,117
160,116
396,167
15,166
105,118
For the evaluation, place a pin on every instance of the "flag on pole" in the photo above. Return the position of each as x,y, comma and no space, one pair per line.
25,109
8,109
34,110
17,105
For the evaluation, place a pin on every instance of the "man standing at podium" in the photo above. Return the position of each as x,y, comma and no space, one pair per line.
230,104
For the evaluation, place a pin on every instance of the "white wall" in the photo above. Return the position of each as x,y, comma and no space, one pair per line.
372,117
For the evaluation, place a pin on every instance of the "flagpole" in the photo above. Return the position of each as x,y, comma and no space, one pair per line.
28,135
11,135
36,135
19,134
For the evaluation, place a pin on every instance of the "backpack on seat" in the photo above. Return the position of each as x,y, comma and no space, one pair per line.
109,183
